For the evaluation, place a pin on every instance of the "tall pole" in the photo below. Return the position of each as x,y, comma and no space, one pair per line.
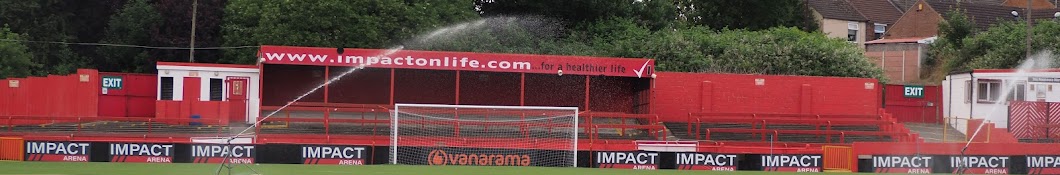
194,12
1029,27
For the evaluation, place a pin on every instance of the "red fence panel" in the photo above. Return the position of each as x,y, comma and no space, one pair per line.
134,99
1023,116
924,109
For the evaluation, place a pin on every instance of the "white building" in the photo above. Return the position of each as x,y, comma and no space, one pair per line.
984,93
198,82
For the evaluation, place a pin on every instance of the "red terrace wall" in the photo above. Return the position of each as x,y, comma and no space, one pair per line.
136,98
364,86
424,86
283,83
914,109
677,94
554,90
489,88
51,96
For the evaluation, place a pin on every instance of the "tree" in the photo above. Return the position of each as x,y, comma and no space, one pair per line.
333,23
45,20
132,25
1004,46
175,29
749,14
17,59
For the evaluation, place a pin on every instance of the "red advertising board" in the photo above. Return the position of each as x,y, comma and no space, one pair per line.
466,61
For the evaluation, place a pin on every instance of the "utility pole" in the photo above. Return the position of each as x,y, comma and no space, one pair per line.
1029,27
191,47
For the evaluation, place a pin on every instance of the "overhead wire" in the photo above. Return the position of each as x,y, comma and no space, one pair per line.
129,45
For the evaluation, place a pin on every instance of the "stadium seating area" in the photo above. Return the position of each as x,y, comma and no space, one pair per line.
373,120
790,128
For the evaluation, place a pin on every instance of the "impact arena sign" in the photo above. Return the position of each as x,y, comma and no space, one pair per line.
467,61
627,160
216,153
792,163
142,153
334,155
980,164
704,161
57,151
1043,164
902,164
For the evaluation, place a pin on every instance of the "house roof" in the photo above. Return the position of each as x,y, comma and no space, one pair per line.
836,9
984,14
878,11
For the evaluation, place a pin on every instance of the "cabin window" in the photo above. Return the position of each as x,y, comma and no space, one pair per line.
989,91
1019,93
166,88
216,89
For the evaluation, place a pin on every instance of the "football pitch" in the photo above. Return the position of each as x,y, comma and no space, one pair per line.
104,168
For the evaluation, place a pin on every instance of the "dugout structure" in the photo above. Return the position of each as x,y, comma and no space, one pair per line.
614,85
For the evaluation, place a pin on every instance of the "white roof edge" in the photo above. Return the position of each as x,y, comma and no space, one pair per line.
197,68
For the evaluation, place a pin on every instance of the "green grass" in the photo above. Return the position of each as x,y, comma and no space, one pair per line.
102,168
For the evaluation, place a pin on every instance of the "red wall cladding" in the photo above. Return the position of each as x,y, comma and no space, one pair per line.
926,109
136,98
51,96
678,94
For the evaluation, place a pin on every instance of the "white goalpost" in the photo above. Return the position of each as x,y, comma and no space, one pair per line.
431,134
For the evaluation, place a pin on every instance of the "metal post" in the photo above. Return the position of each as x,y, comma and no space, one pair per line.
194,13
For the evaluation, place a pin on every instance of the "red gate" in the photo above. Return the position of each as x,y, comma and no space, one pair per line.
925,109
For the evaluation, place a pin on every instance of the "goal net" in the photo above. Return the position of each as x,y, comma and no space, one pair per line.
484,135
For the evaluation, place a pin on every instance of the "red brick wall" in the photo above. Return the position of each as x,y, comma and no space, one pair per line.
916,22
677,94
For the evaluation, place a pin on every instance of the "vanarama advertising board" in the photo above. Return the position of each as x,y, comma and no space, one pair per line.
57,151
335,155
627,160
902,164
980,164
142,153
792,163
216,153
706,161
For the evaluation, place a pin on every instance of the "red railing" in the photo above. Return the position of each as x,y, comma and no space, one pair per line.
86,126
823,125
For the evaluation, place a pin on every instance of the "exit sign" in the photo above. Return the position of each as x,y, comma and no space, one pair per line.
111,82
914,91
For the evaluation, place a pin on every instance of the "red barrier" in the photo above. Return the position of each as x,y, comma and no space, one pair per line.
926,109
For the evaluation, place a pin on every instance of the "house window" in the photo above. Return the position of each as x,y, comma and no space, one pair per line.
166,88
879,30
852,31
216,89
1019,93
989,91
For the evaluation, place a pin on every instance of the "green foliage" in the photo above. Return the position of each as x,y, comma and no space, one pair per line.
16,60
45,20
130,26
948,52
332,23
1004,46
751,14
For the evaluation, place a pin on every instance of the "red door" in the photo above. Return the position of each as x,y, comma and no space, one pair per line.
237,98
191,89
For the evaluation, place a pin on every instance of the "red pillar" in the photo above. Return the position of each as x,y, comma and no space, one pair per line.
327,113
457,87
456,129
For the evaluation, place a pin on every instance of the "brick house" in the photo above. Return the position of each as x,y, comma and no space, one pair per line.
839,19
